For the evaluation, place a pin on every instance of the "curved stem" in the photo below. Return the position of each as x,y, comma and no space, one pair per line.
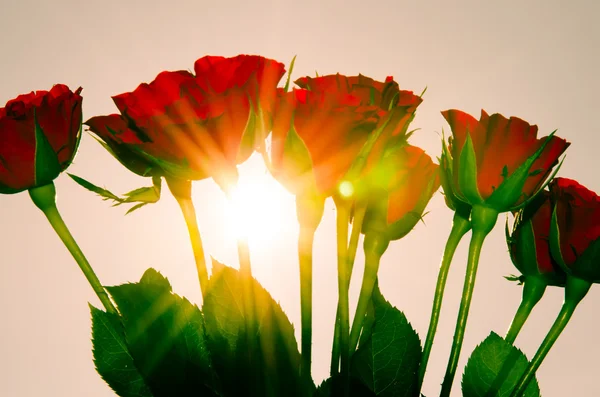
182,191
189,214
343,302
483,220
575,290
460,226
375,246
359,216
533,290
44,197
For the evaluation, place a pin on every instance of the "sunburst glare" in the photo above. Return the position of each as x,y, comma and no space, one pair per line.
259,209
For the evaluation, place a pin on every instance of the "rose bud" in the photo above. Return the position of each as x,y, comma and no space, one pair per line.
528,243
401,184
39,135
575,229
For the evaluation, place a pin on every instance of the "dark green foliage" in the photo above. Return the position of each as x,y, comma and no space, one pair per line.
387,362
494,369
252,341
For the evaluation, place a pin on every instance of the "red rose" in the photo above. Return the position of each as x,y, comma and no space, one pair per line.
529,244
316,137
401,186
193,127
499,162
334,116
30,156
257,75
386,96
575,233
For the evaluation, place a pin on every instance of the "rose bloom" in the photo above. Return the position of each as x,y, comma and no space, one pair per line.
489,170
320,129
194,126
56,115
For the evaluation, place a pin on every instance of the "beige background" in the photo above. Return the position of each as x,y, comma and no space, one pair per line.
538,60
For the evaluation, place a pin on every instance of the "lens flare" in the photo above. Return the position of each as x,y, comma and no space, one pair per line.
259,208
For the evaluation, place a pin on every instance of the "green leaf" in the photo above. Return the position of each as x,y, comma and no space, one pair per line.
494,369
251,340
467,173
332,387
388,361
111,356
46,164
165,335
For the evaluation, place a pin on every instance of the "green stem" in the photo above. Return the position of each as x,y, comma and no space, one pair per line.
44,197
309,211
359,216
460,226
336,349
343,302
305,248
533,290
367,324
483,220
575,290
182,191
374,246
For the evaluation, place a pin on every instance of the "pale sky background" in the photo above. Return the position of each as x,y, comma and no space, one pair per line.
538,60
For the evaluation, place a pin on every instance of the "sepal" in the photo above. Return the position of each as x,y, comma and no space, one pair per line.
141,196
467,173
508,194
46,165
446,173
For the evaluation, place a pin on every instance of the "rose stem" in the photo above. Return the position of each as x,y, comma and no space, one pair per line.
309,212
374,246
182,191
575,290
359,216
533,290
483,220
343,304
44,197
460,226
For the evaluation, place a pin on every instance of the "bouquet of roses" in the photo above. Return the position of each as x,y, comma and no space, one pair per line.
335,136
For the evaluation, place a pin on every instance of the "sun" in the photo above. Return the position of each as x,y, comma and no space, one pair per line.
259,208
